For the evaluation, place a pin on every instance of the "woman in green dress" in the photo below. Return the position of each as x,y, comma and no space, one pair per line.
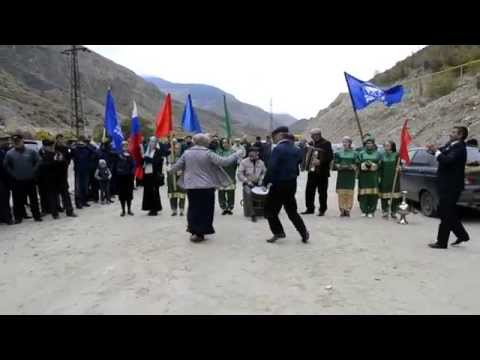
175,193
226,195
369,162
387,175
345,164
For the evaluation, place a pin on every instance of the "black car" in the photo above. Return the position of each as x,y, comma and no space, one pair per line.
419,180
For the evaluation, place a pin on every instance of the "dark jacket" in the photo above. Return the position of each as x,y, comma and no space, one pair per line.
83,158
284,163
21,165
326,156
451,167
125,165
4,176
50,172
156,162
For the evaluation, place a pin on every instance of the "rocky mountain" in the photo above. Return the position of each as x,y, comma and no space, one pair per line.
34,92
432,103
210,98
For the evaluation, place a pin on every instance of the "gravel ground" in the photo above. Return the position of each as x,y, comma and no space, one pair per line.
100,263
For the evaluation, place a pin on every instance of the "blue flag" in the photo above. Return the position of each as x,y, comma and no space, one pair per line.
364,93
112,127
190,121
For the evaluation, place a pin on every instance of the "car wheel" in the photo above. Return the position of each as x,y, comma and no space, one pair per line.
427,204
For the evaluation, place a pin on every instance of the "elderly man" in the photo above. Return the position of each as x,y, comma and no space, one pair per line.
202,173
21,164
282,173
318,179
250,173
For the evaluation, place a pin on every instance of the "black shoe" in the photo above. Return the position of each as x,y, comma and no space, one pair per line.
10,222
254,219
18,221
305,237
230,212
86,205
55,217
72,215
27,217
152,213
38,219
196,238
459,241
130,213
321,213
224,212
122,214
437,246
79,207
308,212
276,237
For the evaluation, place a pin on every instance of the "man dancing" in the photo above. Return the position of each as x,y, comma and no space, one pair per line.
282,173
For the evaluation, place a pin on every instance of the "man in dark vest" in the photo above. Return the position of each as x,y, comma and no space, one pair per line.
318,179
282,173
450,183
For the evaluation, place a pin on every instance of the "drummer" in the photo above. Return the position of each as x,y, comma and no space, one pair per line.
250,173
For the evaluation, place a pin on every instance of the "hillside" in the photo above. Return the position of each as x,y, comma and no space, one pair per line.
210,98
433,104
34,91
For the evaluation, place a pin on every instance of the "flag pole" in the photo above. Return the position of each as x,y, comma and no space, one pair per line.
354,110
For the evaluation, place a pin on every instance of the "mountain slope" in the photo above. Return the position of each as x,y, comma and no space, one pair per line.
210,98
433,104
34,91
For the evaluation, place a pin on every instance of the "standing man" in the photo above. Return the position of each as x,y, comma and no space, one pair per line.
282,173
21,164
318,179
5,211
82,158
450,182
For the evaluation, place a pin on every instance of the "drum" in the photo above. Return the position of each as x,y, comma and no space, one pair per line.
259,195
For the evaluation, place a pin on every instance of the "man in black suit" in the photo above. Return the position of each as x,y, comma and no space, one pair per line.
450,184
282,173
318,179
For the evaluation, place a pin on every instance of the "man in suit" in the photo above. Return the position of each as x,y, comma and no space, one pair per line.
318,179
450,184
282,173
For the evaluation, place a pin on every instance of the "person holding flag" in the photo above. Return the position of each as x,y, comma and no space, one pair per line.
135,143
387,174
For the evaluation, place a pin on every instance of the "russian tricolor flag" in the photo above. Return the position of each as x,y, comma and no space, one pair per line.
135,143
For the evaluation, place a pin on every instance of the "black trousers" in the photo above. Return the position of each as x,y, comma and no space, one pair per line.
283,195
5,211
104,190
44,201
21,190
316,182
449,219
81,187
52,195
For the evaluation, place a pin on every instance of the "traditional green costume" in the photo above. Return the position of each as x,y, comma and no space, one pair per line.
175,193
345,163
226,195
369,162
386,175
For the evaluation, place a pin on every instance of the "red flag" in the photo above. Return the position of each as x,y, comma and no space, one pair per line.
164,119
405,140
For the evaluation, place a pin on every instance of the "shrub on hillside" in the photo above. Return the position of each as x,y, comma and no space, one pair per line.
441,85
43,135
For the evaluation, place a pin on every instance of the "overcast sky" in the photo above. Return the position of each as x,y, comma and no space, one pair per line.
301,79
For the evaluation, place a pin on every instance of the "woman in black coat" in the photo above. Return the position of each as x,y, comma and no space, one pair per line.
153,178
125,171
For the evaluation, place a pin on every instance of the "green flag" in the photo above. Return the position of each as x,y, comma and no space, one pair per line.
228,128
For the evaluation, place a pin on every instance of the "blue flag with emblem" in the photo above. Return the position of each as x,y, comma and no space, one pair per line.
364,93
112,126
190,121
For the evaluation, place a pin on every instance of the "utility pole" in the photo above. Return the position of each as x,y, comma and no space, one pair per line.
76,105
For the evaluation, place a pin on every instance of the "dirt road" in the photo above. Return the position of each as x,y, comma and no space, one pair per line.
100,263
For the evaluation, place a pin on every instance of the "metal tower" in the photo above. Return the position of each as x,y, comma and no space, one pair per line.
76,104
271,115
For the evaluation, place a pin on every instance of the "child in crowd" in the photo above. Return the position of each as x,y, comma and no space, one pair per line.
103,175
